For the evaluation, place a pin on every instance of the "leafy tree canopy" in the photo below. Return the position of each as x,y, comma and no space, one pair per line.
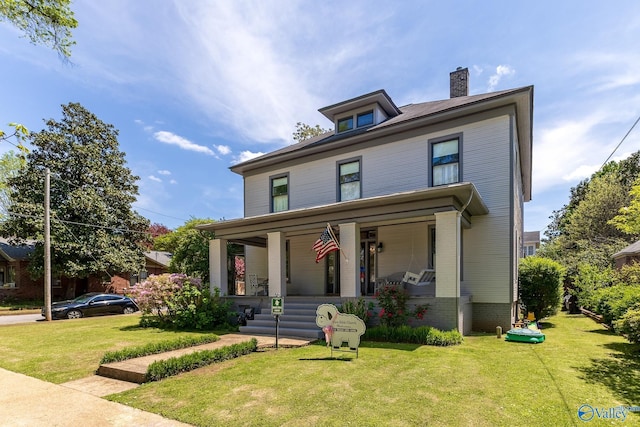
189,246
93,227
10,165
46,22
304,131
628,218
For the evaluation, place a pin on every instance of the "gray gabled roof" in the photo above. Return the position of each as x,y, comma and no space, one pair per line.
15,252
632,249
159,257
418,115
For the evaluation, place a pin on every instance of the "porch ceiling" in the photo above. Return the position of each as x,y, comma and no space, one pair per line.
395,208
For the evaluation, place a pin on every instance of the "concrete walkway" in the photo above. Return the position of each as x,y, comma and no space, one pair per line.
29,402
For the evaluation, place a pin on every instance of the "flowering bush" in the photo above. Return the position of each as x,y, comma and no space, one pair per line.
392,300
360,308
180,301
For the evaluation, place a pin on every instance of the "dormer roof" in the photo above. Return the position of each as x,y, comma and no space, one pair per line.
379,97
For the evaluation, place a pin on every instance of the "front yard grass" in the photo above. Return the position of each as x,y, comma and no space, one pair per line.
485,381
66,350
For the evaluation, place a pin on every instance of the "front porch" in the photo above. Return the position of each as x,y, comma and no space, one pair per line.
378,236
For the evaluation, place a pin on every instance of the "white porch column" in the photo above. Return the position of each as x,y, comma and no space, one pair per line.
218,275
448,236
350,260
448,254
276,249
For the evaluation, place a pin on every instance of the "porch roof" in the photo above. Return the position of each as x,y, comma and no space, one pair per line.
404,207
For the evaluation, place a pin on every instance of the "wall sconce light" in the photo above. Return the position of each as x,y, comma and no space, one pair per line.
380,247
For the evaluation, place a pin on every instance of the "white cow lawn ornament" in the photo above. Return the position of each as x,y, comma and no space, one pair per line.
339,327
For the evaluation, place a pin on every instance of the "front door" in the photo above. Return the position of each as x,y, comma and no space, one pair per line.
367,265
332,273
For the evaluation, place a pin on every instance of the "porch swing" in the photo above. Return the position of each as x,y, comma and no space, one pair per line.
424,278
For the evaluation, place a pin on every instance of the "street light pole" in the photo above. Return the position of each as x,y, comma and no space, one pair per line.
47,246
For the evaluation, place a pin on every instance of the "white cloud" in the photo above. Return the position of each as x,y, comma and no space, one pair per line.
223,149
154,178
164,172
173,182
246,155
501,71
185,144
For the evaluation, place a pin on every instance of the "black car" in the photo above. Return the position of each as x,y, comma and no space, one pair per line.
92,304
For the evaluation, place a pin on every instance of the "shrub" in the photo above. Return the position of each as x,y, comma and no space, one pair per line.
155,348
423,335
540,285
360,308
628,275
392,301
165,368
180,301
614,301
629,324
588,279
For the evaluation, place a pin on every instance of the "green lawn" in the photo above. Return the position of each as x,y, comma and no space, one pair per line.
65,350
483,382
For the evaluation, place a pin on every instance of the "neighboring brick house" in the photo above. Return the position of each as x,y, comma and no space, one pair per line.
628,255
395,183
17,284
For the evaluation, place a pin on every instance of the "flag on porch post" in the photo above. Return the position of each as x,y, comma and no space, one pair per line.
325,243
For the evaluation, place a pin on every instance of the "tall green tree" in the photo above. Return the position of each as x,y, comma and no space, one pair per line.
10,165
304,131
93,226
189,246
628,218
46,22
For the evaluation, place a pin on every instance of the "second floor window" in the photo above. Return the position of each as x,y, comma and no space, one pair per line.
349,180
445,162
280,194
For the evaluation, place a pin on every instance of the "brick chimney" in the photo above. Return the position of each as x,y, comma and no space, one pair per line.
459,82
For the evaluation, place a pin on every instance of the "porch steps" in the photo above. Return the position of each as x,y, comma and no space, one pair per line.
298,320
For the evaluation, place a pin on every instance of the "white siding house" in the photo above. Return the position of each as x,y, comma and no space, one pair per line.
437,185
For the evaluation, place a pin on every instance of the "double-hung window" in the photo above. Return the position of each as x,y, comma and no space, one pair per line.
349,187
280,193
445,161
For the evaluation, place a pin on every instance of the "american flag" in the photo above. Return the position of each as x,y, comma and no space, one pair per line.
325,244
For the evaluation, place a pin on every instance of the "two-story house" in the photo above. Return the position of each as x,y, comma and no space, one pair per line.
436,185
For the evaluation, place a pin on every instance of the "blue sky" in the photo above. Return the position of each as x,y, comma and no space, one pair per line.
196,86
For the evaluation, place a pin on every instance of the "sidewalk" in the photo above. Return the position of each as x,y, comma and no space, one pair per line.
30,402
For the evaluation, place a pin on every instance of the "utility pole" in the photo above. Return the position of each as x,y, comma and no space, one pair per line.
47,246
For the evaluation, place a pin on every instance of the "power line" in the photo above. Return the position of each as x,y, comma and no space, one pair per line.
122,230
620,143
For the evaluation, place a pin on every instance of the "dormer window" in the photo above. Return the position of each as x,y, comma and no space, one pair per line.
361,119
365,119
345,124
366,110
